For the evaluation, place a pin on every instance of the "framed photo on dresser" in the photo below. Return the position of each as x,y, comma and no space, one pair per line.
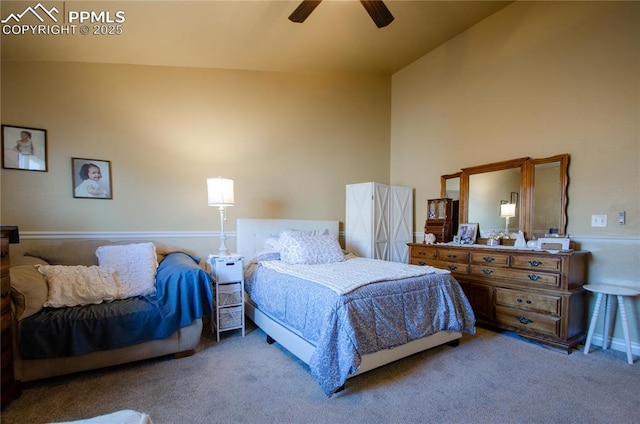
467,233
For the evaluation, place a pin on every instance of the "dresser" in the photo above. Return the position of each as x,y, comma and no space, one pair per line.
536,294
10,387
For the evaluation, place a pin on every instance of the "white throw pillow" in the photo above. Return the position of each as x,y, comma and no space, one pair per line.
134,265
310,250
73,285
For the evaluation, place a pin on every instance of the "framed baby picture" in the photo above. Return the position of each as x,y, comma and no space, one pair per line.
24,148
91,178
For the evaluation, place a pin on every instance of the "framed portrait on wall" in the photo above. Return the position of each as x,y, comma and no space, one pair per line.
24,148
91,178
467,233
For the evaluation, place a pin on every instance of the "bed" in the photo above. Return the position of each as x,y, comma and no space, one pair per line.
364,323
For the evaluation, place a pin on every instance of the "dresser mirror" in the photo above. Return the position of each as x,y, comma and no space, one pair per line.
538,187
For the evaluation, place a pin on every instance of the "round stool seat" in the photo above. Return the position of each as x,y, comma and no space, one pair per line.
603,292
614,290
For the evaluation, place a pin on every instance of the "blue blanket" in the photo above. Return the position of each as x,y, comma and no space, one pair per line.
371,318
183,294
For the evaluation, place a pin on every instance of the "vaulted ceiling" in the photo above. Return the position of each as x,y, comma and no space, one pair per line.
339,36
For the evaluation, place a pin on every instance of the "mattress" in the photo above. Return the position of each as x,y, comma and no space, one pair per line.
376,316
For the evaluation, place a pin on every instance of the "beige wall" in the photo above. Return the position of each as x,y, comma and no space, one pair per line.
291,142
536,79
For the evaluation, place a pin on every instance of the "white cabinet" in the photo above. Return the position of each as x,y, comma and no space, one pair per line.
379,221
228,296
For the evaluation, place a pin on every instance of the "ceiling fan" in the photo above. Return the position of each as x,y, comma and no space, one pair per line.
376,9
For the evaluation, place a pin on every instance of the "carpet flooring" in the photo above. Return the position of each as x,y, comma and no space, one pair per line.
489,378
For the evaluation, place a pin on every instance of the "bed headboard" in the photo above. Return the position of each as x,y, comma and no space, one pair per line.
251,234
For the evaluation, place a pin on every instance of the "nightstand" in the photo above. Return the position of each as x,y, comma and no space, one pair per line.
228,293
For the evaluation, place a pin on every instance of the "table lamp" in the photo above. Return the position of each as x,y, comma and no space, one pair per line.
220,194
507,210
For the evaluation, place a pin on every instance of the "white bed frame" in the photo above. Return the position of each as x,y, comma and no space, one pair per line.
251,235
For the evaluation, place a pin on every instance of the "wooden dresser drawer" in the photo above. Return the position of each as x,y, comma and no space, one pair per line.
452,255
529,301
454,267
423,252
528,320
490,259
543,279
538,263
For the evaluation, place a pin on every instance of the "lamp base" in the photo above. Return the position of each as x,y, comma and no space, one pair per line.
222,250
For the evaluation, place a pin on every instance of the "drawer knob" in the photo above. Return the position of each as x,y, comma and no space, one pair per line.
533,277
452,256
535,263
519,300
488,259
524,320
487,271
4,254
452,267
422,263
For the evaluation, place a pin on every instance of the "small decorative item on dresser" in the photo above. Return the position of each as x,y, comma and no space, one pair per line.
554,243
493,241
429,238
228,298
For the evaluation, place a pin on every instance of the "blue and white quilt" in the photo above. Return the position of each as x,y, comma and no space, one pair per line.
345,324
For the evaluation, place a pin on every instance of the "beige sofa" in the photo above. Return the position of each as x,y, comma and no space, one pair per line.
29,292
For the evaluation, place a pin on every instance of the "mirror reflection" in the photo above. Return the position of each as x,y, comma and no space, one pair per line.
489,190
537,188
549,197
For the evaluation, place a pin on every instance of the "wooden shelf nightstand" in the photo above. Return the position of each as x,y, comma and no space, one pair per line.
228,296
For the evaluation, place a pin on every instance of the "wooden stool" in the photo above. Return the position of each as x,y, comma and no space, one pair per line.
607,291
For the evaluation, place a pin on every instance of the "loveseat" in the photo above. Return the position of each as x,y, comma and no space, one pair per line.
116,320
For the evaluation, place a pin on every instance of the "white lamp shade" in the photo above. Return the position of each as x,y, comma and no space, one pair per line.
220,191
507,210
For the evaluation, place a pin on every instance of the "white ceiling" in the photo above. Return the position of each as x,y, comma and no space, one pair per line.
339,36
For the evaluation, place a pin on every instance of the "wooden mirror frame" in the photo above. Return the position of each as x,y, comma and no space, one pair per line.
527,188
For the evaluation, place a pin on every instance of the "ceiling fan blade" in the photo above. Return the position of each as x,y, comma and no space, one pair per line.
378,12
303,10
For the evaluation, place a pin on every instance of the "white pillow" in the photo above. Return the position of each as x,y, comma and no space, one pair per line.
134,265
272,244
310,250
73,285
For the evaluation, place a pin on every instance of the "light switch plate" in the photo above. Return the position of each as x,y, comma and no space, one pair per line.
598,220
